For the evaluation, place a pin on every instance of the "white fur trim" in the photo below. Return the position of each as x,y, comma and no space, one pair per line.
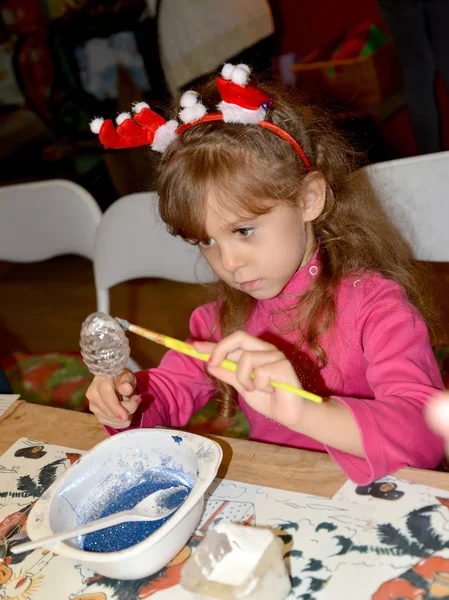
189,98
236,114
164,136
122,117
240,74
139,106
95,125
192,113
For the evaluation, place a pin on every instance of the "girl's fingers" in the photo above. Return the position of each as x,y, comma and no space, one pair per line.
107,394
251,362
100,409
125,383
114,423
262,378
256,362
234,344
107,417
226,376
112,399
266,367
209,348
204,347
131,404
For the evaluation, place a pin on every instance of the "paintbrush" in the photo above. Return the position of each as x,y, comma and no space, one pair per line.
184,348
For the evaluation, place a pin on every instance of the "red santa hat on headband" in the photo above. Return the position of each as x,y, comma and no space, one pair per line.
146,128
241,102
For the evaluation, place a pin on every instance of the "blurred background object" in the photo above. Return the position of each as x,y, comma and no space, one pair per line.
68,64
359,70
358,77
64,61
196,37
419,30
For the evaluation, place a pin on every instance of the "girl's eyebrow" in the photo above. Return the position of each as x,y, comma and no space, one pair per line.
241,222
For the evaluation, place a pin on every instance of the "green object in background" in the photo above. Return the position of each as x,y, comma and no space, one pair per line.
376,39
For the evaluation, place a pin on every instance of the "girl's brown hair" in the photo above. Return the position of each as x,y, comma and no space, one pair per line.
251,168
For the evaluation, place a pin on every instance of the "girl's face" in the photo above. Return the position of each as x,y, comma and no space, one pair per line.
257,254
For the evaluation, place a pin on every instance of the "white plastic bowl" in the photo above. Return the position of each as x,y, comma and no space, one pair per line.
198,457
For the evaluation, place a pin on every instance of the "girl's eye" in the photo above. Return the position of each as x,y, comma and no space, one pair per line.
206,243
244,231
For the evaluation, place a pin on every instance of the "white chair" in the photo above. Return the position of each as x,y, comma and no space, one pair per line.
133,242
415,194
40,220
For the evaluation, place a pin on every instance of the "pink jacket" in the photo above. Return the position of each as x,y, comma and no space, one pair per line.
380,365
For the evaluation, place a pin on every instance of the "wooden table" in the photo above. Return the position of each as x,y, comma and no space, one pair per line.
250,462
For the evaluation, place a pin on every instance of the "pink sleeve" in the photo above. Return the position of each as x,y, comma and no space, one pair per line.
174,391
403,374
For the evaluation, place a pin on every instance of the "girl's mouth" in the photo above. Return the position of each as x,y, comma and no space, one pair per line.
251,286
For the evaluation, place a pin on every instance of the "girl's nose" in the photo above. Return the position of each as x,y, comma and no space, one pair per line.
231,260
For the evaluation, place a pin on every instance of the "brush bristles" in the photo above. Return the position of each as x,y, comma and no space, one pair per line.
124,324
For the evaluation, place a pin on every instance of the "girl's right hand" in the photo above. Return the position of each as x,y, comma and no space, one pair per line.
114,400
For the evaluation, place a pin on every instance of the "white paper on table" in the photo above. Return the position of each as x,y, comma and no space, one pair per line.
405,551
402,497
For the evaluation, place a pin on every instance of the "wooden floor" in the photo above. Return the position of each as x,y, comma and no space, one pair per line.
43,305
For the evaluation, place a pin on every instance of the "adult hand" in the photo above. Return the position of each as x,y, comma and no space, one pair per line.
437,415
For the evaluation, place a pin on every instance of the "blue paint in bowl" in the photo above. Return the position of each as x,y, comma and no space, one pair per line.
128,534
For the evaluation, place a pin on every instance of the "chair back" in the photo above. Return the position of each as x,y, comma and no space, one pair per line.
415,194
132,242
43,219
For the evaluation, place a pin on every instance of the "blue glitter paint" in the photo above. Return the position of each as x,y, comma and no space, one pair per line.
125,535
176,439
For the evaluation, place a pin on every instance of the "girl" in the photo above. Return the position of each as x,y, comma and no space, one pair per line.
316,288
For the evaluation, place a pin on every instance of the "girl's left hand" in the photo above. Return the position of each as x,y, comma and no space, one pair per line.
268,364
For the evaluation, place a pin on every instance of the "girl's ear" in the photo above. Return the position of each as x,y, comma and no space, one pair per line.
313,197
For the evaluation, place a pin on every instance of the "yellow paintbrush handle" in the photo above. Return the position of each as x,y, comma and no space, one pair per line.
229,365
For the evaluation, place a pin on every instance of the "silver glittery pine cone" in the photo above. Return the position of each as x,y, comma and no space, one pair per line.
104,345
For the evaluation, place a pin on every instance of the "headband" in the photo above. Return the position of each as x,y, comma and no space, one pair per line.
240,103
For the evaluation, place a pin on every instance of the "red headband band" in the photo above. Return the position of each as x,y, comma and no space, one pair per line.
267,124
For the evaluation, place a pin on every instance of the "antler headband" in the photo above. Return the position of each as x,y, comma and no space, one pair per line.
240,103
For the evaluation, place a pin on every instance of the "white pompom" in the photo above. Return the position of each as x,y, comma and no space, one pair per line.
189,98
95,125
245,68
139,106
192,113
226,71
240,74
122,117
164,136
